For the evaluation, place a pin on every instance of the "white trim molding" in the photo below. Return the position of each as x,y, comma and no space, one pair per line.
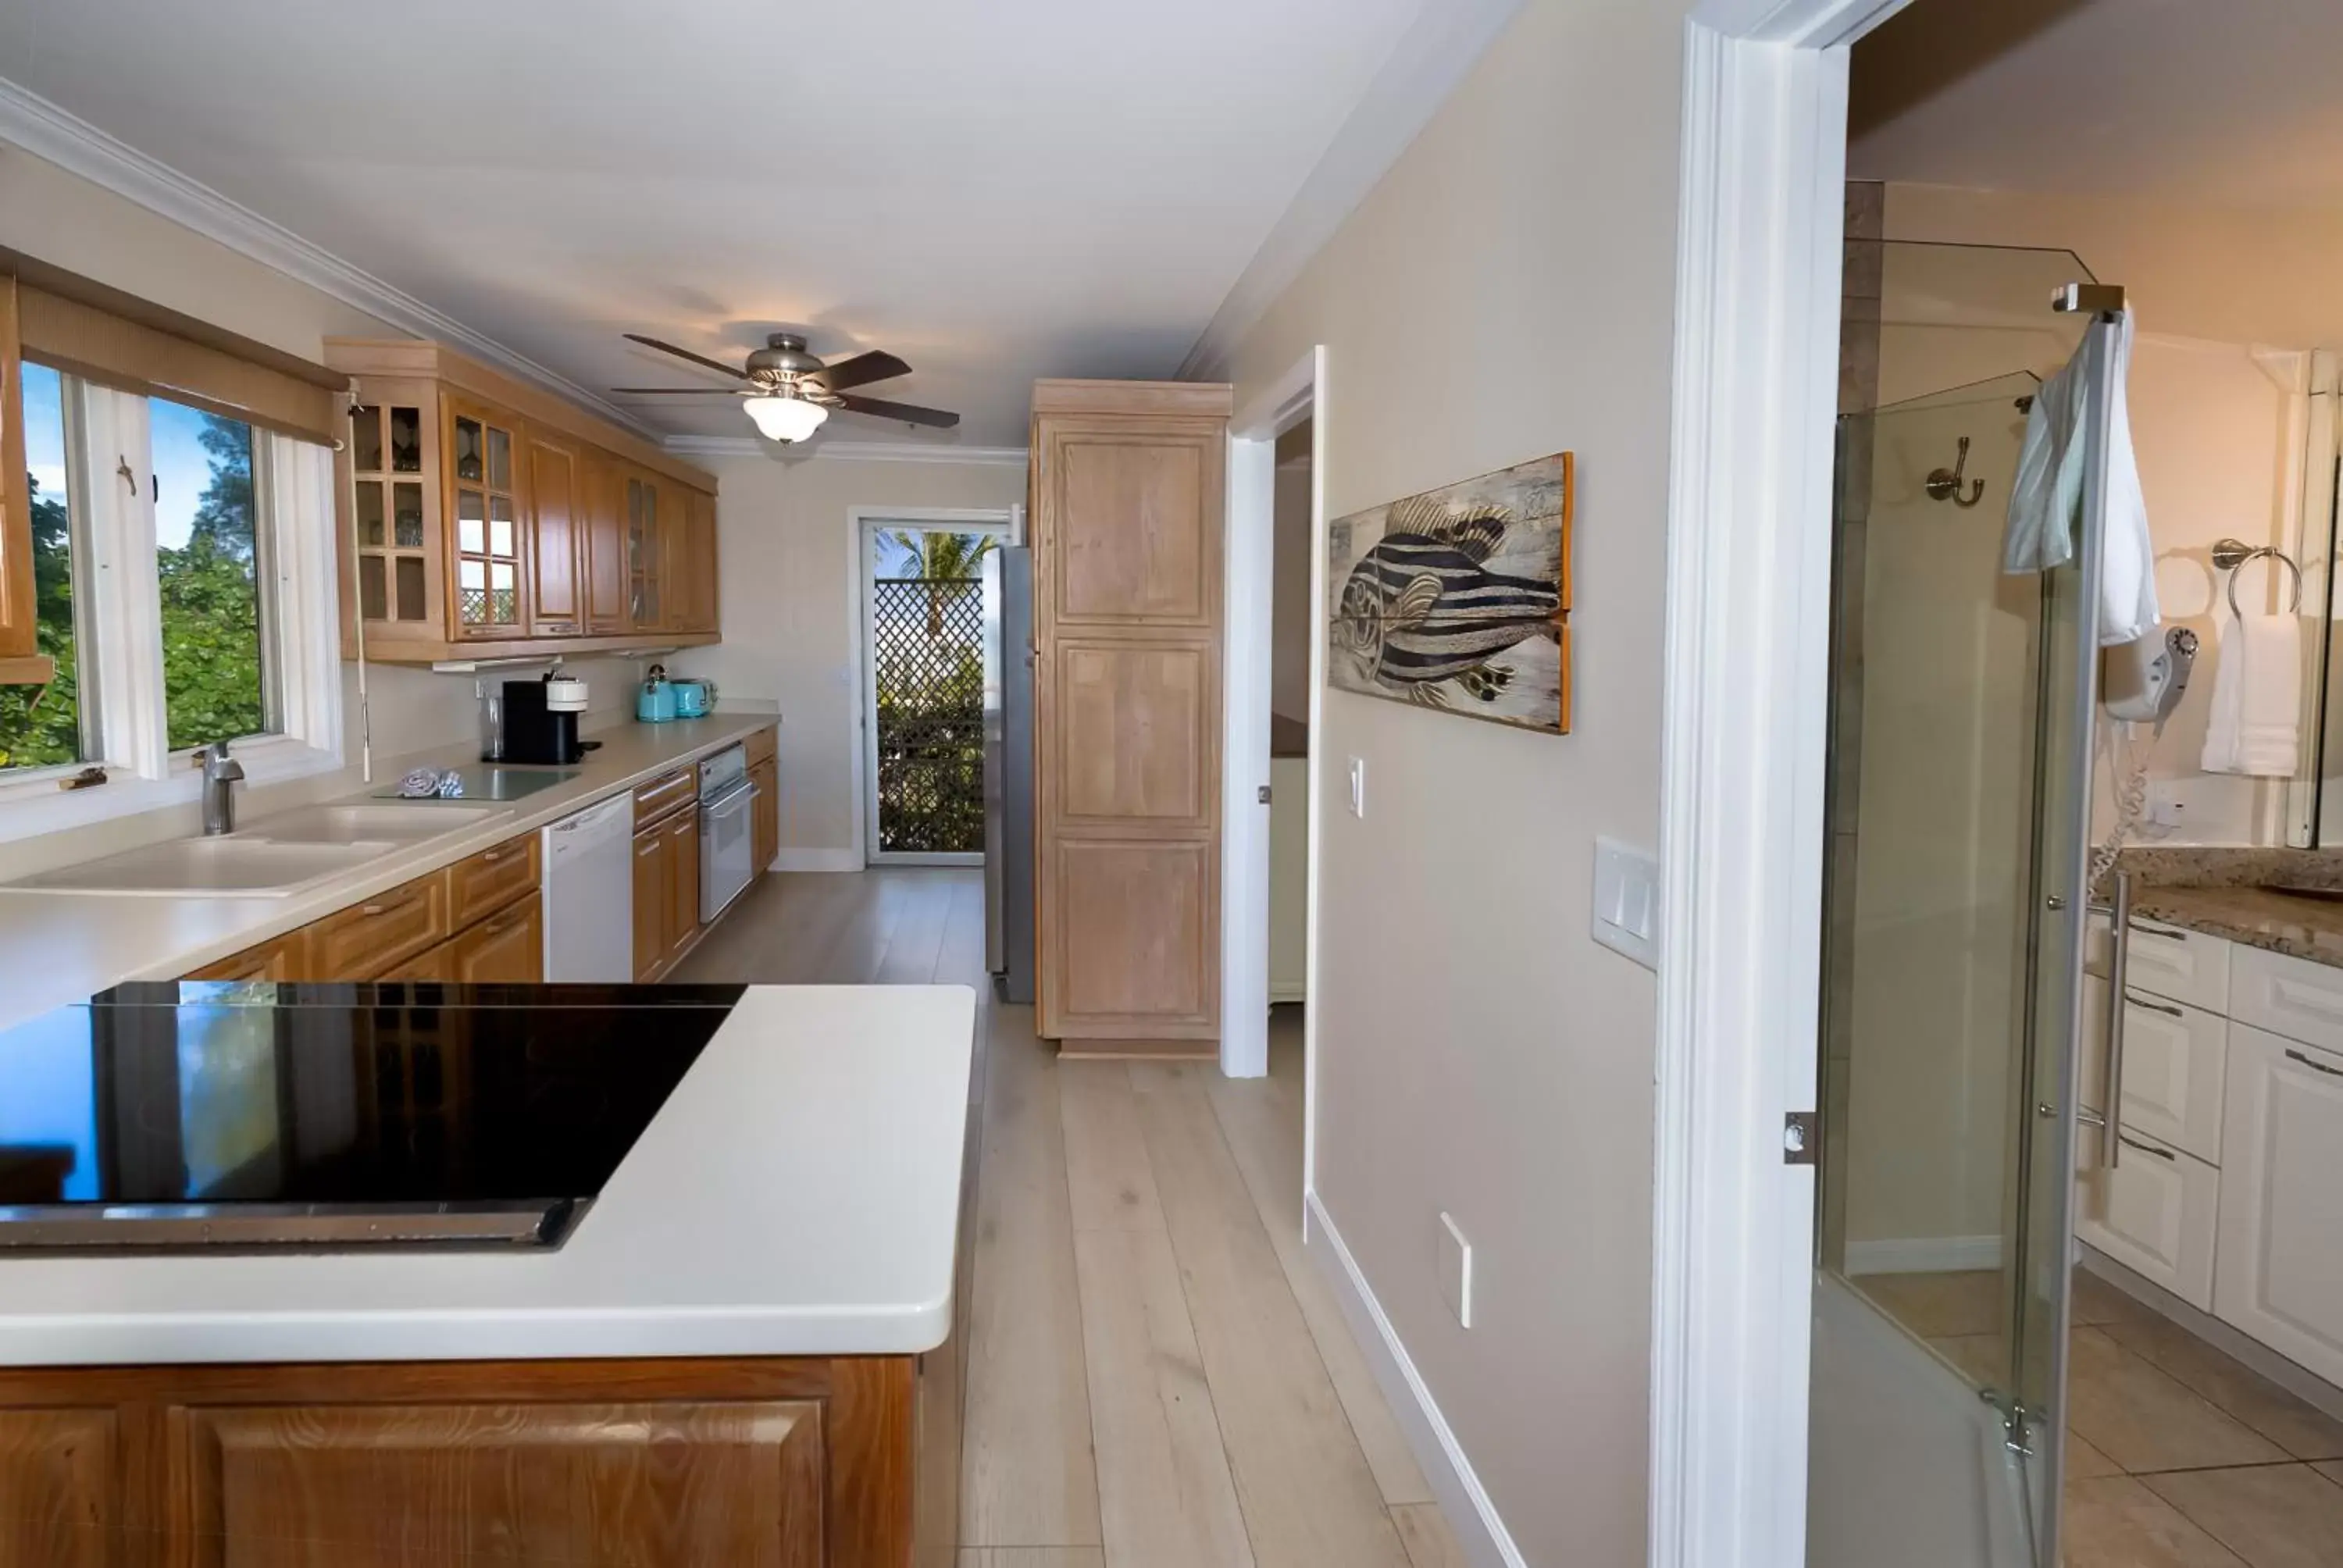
846,451
1466,1504
804,859
1745,760
1446,42
59,136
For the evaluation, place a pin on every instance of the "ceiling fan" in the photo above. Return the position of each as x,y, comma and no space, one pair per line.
790,392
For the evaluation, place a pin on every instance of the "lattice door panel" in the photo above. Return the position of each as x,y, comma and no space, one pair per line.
928,661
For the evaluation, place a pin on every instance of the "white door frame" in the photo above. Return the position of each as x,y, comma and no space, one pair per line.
1284,403
1746,703
862,738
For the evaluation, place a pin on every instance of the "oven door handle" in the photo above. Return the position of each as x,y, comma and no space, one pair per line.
736,796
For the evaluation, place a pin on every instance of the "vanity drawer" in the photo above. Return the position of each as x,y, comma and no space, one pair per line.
2288,996
2175,1062
664,794
2180,965
487,882
377,937
2157,1212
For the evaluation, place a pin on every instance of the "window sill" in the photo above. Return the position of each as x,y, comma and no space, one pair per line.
31,670
31,807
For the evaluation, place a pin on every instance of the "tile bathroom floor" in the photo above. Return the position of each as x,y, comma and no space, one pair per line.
2178,1455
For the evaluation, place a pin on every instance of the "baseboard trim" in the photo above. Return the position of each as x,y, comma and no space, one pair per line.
1472,1516
1282,994
818,861
2230,1341
1923,1255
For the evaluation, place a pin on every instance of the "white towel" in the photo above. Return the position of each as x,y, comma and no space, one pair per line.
2256,724
2046,505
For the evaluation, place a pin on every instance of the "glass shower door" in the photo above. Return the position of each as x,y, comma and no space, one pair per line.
1955,908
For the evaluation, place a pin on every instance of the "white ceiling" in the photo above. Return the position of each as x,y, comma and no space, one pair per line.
994,192
2225,102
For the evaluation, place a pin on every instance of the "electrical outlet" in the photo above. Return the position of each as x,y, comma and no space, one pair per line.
1456,1271
1358,787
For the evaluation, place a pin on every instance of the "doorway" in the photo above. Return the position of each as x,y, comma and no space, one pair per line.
925,601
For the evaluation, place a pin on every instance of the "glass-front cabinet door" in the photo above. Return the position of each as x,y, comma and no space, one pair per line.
395,526
483,473
643,563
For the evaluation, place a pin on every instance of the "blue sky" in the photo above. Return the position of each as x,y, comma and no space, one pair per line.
182,466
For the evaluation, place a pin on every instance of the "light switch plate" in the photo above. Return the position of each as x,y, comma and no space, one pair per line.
1358,787
1456,1271
1627,900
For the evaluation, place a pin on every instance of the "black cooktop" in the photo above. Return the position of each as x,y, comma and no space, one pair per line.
255,1115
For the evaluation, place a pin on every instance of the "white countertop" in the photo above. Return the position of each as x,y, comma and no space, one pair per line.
57,948
798,1194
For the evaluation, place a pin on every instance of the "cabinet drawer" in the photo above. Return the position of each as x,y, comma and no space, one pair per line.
368,939
507,949
2290,996
665,794
2180,965
761,746
2173,1060
432,965
490,879
2280,1271
2156,1213
277,959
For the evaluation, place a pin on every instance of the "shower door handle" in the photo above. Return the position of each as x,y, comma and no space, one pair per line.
2119,974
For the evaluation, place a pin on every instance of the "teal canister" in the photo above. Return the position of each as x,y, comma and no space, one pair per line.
655,703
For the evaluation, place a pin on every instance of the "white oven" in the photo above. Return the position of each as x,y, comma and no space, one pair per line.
727,799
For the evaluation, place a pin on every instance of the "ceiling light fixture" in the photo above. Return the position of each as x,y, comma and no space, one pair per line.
786,418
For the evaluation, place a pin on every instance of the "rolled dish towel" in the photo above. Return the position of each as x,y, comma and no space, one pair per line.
420,784
2256,724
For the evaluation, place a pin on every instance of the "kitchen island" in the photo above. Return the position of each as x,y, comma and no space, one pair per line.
720,1364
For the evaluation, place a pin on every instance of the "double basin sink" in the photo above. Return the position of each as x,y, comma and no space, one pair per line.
275,857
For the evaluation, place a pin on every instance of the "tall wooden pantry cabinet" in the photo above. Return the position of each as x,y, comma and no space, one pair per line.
1127,516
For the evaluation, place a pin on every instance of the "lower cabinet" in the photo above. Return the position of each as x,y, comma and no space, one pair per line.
765,817
682,884
2280,1272
667,893
2155,1212
758,1463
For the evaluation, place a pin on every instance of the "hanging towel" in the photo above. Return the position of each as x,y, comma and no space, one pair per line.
2046,509
2256,724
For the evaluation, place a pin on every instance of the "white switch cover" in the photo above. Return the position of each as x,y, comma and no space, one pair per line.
1456,1271
1358,787
1627,900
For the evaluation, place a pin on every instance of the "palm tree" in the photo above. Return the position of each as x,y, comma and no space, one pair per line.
942,557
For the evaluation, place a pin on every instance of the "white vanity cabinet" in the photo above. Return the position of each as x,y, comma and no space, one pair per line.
2280,1272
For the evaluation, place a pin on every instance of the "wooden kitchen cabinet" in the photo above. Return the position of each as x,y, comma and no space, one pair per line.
1128,494
279,959
650,903
556,536
371,939
765,817
758,1462
682,882
494,519
507,949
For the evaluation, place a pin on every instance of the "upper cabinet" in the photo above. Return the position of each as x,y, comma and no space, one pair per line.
491,519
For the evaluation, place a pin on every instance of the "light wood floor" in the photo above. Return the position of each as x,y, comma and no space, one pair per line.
1152,1373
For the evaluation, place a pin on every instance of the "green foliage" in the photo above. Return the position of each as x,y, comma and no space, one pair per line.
40,726
211,603
931,734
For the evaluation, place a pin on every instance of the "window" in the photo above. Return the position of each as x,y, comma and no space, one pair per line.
208,570
184,564
41,725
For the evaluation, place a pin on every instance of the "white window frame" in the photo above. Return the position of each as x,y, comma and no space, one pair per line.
117,599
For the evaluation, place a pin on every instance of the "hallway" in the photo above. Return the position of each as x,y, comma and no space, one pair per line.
1152,1373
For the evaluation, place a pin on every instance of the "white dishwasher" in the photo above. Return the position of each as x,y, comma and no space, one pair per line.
589,893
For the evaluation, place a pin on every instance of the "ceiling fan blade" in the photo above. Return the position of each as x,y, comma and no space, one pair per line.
675,391
721,368
861,371
909,412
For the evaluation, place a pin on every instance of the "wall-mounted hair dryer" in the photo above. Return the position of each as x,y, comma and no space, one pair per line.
2144,680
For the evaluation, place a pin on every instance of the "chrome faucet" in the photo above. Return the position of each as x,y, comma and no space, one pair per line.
221,773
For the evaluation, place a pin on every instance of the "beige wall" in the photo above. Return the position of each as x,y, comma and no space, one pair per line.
2224,298
1478,1053
789,609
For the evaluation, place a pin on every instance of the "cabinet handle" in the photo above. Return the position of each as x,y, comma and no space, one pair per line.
2167,932
501,924
2164,1154
2314,1066
2165,1008
492,857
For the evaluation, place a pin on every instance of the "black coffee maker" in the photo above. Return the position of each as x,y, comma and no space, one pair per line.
541,721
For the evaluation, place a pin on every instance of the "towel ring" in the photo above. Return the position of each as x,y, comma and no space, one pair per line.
2231,555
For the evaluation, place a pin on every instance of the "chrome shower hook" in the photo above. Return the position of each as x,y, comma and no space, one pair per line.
1945,484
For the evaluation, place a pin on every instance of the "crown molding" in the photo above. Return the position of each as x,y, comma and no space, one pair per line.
850,451
58,136
1446,42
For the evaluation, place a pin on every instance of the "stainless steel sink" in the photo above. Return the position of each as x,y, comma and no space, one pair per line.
235,867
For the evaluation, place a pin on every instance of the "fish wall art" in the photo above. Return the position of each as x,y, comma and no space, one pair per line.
1458,600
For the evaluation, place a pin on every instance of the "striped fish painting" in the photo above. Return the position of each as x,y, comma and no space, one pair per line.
1458,600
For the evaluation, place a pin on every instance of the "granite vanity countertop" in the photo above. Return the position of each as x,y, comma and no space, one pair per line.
2226,892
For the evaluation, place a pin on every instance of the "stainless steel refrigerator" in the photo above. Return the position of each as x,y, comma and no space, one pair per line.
1009,770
